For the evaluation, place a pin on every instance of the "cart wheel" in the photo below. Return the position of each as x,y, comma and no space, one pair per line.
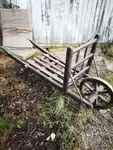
97,91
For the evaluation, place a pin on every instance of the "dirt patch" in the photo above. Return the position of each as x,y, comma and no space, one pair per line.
18,96
15,90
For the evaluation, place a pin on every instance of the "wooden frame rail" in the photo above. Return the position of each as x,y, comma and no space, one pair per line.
85,45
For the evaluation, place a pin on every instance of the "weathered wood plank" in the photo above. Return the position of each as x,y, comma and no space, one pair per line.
42,69
48,67
51,64
53,82
55,60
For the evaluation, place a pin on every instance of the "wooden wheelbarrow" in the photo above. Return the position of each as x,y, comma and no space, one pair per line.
73,73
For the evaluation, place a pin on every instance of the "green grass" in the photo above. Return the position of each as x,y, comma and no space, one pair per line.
110,51
56,112
110,79
107,49
83,115
66,118
8,124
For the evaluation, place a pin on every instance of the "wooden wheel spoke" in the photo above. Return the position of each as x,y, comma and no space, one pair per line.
95,86
93,97
87,94
88,86
102,98
102,92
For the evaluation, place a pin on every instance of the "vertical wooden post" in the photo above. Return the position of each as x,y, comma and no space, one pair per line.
93,49
77,58
67,72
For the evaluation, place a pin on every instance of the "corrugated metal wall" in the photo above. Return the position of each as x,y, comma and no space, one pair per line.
70,21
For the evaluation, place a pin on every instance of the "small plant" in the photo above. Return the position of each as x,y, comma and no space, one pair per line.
20,123
5,124
107,49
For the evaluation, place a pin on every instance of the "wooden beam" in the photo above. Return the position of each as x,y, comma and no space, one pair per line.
67,72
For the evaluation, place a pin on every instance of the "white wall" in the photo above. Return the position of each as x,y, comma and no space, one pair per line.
70,21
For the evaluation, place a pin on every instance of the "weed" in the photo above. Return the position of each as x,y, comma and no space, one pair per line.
20,123
107,49
5,124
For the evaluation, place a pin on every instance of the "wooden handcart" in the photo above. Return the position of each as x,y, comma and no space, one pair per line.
73,73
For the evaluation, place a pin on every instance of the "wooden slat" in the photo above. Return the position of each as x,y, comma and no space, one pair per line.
56,61
85,53
53,82
89,56
93,50
46,52
32,62
52,65
48,67
79,74
85,45
77,58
